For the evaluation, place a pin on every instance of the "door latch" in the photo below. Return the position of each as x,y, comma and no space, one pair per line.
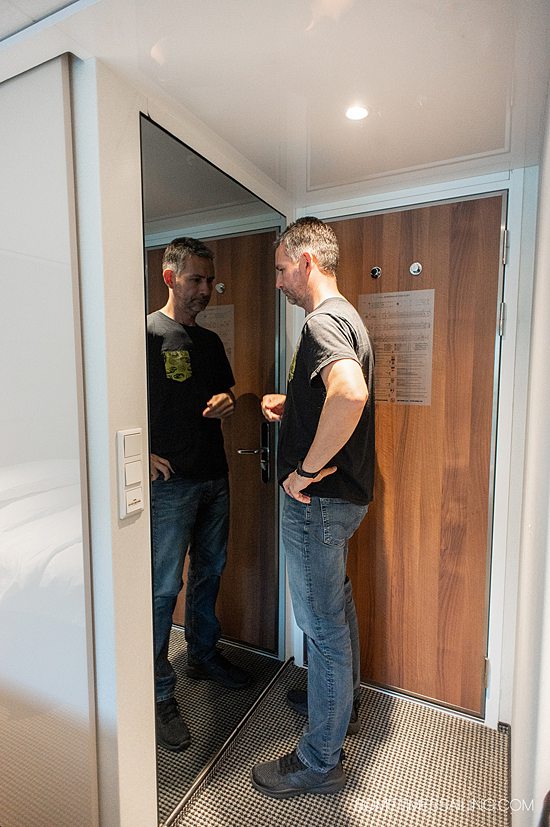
264,452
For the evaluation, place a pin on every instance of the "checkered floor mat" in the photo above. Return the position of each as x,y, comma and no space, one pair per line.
409,765
211,712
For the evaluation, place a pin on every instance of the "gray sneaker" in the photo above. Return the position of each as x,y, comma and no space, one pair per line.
172,733
288,776
297,700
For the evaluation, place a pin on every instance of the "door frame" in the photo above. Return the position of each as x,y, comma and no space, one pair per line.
521,188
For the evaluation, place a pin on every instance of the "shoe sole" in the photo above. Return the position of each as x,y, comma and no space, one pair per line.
326,789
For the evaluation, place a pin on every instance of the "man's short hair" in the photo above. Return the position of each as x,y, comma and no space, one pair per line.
180,249
311,235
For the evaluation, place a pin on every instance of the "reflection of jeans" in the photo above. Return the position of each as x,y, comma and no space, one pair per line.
316,538
187,513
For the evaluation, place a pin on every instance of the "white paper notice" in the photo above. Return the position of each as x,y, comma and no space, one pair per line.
401,328
222,321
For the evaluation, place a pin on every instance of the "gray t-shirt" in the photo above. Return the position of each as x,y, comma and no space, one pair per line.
333,331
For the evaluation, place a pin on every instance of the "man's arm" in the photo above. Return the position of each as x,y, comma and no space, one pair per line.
346,396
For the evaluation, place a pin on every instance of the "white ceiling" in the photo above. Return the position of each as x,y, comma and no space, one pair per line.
16,15
454,87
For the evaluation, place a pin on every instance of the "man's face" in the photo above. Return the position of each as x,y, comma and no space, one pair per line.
192,287
290,277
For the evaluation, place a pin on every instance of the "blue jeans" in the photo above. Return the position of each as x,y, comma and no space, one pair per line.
187,515
316,538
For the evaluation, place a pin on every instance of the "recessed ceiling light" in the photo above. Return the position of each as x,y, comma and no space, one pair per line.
356,113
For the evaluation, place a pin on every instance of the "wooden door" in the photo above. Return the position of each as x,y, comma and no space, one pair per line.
248,601
420,561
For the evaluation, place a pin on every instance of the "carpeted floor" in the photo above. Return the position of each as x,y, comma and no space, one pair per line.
409,765
211,712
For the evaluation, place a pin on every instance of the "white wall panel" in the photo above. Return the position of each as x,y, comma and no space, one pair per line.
108,186
531,714
47,760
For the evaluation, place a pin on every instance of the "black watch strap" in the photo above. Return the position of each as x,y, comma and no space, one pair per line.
302,473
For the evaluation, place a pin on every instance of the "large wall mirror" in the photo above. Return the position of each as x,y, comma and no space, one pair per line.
185,195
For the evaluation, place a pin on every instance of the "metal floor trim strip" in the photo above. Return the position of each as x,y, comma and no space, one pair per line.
224,751
212,714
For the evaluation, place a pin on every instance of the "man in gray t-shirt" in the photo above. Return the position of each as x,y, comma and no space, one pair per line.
326,469
333,331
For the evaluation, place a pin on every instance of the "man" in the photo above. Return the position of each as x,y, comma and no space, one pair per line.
190,382
326,468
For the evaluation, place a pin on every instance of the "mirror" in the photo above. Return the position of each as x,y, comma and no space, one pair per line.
185,195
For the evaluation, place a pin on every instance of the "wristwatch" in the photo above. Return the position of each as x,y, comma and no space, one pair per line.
302,473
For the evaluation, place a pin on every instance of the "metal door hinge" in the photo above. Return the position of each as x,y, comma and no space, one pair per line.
486,672
501,318
505,246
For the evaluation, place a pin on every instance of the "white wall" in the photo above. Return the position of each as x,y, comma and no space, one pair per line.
531,714
47,753
108,186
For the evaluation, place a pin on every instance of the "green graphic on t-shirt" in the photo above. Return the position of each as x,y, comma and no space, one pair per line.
177,364
292,366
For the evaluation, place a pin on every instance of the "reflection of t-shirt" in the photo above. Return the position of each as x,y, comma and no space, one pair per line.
187,365
334,330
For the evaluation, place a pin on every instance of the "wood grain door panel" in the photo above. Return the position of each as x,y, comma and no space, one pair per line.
419,563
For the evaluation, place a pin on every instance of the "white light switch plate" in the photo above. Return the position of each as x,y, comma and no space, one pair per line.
130,472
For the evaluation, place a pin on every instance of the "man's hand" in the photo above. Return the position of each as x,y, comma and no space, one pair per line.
220,406
273,405
160,466
294,483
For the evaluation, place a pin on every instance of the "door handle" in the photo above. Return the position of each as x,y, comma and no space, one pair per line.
264,451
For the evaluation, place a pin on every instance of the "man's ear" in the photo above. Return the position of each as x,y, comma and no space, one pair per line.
168,276
308,258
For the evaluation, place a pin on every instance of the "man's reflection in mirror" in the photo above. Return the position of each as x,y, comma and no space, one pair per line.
190,381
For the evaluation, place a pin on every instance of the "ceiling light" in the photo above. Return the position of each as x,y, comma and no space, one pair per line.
356,113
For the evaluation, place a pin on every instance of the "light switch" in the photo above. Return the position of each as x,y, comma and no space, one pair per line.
132,445
130,472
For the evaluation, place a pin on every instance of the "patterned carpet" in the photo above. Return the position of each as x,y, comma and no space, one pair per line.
211,712
409,765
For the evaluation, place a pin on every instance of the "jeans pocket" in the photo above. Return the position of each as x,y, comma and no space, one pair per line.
340,519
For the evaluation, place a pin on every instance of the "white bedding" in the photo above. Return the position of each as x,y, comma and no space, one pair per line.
41,566
43,643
